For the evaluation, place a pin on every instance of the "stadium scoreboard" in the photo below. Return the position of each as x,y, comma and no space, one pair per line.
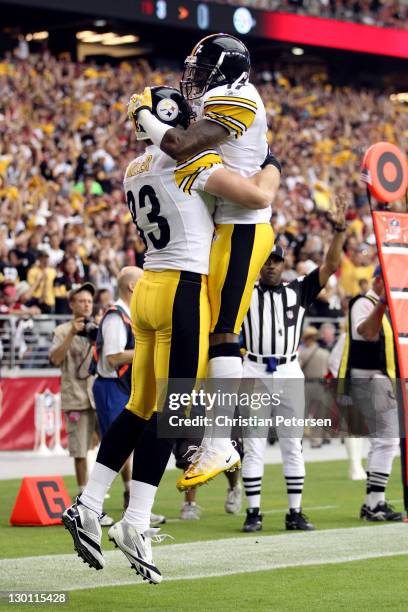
200,15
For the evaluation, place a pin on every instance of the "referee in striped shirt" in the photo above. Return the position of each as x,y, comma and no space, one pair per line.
271,336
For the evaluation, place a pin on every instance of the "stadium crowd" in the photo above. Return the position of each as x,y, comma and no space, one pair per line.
385,13
65,142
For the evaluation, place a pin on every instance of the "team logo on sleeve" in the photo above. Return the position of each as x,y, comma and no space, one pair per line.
167,110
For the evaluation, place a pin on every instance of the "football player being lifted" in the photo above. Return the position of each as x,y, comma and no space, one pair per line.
231,118
170,205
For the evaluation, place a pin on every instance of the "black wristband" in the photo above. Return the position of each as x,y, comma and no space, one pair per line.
339,228
270,160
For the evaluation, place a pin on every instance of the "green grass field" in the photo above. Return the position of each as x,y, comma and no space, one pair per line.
371,574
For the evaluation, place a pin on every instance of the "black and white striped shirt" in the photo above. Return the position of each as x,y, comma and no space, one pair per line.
273,325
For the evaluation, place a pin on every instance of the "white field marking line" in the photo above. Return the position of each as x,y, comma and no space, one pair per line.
210,558
280,511
283,510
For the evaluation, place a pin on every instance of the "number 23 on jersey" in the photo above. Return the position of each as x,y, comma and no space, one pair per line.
160,237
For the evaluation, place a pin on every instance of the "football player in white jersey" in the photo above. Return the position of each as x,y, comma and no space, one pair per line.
171,317
232,119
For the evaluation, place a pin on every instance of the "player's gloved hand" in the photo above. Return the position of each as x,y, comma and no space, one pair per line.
138,102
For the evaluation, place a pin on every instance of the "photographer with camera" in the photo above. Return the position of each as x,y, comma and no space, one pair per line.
71,350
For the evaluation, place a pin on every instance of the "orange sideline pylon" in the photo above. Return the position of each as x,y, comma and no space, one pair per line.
41,500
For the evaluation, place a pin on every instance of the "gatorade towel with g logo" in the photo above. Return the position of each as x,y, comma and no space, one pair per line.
385,170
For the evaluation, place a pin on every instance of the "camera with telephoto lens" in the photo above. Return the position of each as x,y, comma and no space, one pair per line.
90,330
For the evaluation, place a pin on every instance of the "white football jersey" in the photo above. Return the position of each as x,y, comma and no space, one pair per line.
241,111
173,218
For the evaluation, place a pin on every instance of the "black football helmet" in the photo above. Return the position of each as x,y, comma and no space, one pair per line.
169,106
218,59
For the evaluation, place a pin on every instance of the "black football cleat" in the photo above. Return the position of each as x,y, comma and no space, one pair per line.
297,521
383,512
363,511
253,521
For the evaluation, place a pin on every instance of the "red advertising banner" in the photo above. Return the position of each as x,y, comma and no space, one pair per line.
17,426
334,34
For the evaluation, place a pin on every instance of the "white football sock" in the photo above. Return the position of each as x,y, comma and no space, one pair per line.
140,506
294,488
252,486
223,368
375,497
295,501
97,486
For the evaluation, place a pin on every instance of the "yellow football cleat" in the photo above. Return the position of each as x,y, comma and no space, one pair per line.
206,464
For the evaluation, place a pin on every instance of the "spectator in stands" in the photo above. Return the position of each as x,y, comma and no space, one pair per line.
103,270
72,250
84,161
41,277
24,295
67,278
89,186
71,350
9,303
24,257
356,266
53,248
327,336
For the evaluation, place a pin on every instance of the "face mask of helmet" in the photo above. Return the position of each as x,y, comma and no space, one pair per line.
197,79
168,106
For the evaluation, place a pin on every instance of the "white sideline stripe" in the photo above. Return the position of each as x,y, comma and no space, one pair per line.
210,558
278,511
305,509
